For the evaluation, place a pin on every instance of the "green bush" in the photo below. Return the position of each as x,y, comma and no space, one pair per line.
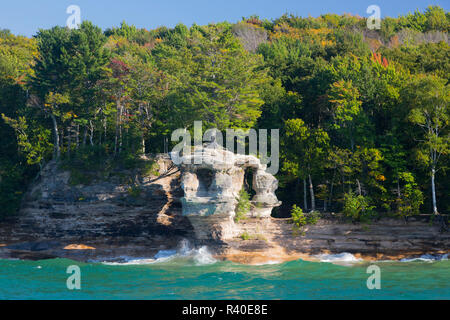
357,207
243,205
13,183
312,217
298,217
245,236
410,199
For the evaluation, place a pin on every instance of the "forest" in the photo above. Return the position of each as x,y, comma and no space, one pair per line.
363,114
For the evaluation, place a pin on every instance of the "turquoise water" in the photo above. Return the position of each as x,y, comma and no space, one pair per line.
185,278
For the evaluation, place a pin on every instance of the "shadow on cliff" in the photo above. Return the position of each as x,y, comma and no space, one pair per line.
55,209
158,207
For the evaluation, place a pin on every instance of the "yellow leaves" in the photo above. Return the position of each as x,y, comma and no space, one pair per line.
70,115
319,32
326,43
318,36
56,98
381,178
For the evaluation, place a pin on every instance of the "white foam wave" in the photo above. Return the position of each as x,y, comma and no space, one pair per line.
268,263
200,256
165,254
131,262
344,257
427,258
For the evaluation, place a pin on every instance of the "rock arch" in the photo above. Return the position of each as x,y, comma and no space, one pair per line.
211,178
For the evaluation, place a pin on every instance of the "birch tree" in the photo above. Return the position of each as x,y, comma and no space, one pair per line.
429,100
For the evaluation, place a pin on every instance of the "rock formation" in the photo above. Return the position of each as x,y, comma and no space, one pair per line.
59,219
212,178
102,214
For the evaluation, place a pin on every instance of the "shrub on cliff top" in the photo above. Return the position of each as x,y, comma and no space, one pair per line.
301,219
298,217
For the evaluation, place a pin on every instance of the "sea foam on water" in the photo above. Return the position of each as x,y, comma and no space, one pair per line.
200,256
339,258
427,258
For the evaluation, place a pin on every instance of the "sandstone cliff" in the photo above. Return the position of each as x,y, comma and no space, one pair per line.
133,218
109,220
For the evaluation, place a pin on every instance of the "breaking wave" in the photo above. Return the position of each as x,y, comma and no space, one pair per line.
427,258
199,256
339,258
348,258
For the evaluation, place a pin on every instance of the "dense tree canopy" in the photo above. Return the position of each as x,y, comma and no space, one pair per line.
363,113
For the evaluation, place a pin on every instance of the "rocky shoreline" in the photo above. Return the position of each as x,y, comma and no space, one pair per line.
104,221
271,241
387,239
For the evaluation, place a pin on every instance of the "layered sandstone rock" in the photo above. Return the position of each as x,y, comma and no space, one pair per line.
102,220
211,179
274,240
102,214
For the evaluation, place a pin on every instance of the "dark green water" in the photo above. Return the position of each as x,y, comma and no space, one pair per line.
185,278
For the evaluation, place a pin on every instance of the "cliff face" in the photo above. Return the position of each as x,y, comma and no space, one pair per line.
110,219
140,217
387,239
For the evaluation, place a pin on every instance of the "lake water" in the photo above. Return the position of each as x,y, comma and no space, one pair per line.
196,275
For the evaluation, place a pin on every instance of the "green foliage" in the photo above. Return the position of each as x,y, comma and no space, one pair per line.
150,168
410,198
243,206
428,98
13,183
357,207
214,79
23,141
90,164
434,18
312,217
304,148
35,150
424,58
245,236
350,119
301,219
298,217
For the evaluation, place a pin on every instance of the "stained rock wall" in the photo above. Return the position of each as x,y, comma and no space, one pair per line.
58,219
102,214
388,239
